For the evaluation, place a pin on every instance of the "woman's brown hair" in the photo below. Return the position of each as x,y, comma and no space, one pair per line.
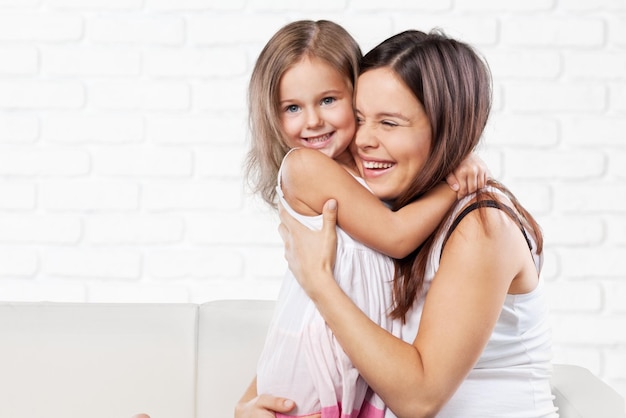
322,39
453,83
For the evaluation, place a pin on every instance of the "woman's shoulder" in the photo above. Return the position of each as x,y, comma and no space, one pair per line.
488,214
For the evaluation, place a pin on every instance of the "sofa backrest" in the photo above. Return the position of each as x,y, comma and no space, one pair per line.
77,360
97,360
169,360
230,340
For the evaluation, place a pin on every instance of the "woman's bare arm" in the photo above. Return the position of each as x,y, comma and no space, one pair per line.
459,313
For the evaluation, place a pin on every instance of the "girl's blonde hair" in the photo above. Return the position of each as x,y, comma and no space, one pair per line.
320,39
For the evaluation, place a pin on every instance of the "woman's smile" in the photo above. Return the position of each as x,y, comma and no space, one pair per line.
372,168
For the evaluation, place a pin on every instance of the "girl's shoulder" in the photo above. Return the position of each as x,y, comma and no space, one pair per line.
306,155
306,165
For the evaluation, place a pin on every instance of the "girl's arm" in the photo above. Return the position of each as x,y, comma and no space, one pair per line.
472,174
310,178
478,264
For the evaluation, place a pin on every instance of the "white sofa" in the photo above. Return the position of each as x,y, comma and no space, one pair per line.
168,360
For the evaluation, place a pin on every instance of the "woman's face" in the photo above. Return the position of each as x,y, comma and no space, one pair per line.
393,137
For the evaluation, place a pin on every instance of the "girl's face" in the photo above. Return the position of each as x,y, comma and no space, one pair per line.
316,107
393,137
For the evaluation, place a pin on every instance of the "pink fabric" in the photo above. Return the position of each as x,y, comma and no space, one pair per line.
368,411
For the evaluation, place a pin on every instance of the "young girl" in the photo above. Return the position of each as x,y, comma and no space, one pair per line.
301,99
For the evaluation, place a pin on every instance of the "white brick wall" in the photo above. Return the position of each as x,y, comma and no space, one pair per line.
123,128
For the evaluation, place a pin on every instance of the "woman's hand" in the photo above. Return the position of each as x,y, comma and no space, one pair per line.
263,406
472,174
310,254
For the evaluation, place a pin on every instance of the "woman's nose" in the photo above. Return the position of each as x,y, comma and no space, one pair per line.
365,137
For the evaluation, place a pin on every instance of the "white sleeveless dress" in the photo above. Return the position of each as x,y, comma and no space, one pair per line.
301,359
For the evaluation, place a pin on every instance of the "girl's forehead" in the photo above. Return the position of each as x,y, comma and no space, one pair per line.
312,61
312,73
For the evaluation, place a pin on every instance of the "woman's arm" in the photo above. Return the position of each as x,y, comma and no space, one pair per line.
310,178
460,311
263,406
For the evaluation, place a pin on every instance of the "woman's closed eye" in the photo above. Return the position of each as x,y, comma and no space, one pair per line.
388,123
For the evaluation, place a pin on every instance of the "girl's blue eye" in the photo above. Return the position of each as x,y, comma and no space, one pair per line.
328,100
292,108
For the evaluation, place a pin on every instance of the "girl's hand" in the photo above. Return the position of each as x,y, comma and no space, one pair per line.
472,174
263,406
310,254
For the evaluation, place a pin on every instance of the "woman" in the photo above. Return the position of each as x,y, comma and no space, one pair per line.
476,342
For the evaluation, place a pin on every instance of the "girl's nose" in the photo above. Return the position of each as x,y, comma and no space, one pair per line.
314,120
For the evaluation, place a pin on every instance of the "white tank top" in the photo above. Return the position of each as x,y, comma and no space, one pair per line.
512,375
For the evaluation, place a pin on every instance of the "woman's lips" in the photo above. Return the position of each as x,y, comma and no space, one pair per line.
374,168
376,164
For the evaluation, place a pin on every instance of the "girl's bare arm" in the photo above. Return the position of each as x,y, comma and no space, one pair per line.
310,178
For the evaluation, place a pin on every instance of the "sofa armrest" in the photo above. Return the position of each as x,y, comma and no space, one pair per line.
580,394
